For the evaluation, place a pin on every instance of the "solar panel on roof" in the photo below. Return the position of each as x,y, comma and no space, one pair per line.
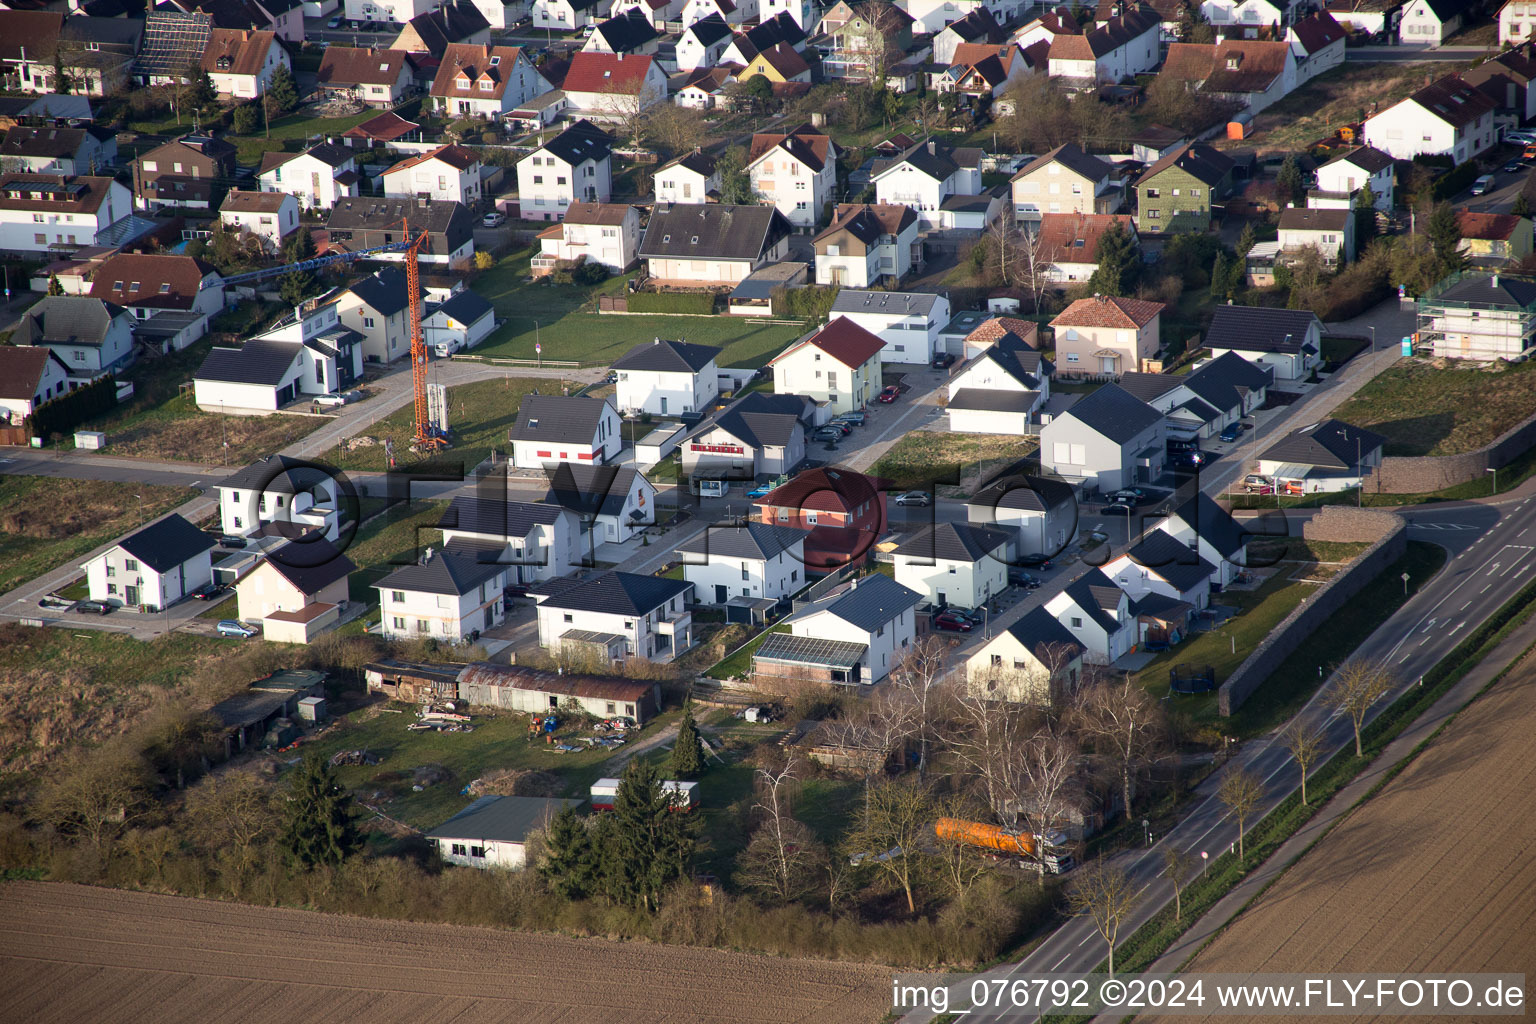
809,650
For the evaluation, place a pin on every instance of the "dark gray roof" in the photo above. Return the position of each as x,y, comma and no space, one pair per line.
954,542
934,157
67,319
697,162
627,31
1147,386
1367,158
1039,630
455,570
1224,381
710,30
1200,161
1015,358
590,490
757,418
466,306
278,473
1026,493
1259,329
503,819
1072,157
1510,291
493,517
1097,595
870,602
50,142
166,544
987,400
713,231
1332,444
1211,522
570,419
853,300
754,541
1177,563
1198,408
1115,413
1161,606
255,362
667,356
384,291
615,593
311,564
580,142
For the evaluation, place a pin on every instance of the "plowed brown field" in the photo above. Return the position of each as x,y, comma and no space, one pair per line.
72,953
1435,873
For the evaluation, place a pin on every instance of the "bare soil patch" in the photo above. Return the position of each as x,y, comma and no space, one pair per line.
71,953
203,436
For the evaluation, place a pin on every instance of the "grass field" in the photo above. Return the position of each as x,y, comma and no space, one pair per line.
1338,97
569,328
1425,409
924,458
47,521
389,541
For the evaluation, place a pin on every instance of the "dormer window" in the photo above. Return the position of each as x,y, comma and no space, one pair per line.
487,85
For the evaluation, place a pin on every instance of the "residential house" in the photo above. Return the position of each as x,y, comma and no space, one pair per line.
191,172
147,284
802,12
630,32
1175,194
480,80
748,43
867,243
612,86
1099,615
751,562
712,244
280,495
1448,117
1211,532
378,78
856,633
908,322
541,691
1201,404
80,55
296,592
757,435
1109,439
1126,44
240,62
703,43
1251,74
450,173
556,428
574,166
1517,22
57,213
1046,26
665,378
1330,232
29,376
1001,390
997,329
927,176
843,510
1506,80
308,353
1069,243
858,42
90,337
1431,22
270,216
49,150
367,223
317,177
781,64
704,88
1322,457
984,72
1287,341
384,132
1036,660
690,178
433,31
1105,336
386,11
1065,180
960,564
1317,43
657,12
378,308
977,26
1039,513
152,568
1158,564
1494,239
795,170
1341,178
1377,19
566,15
649,613
461,321
695,11
493,831
449,595
1479,316
1245,19
533,540
838,364
613,503
606,233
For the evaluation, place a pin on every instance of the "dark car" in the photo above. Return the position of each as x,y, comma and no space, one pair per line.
943,361
1020,578
888,394
230,540
1514,167
1035,561
949,620
1130,496
94,607
1189,460
1232,433
208,591
1118,508
827,434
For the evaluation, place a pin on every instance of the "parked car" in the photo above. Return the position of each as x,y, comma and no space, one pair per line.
1118,508
444,349
1189,460
229,627
827,434
494,219
842,427
888,394
922,499
208,591
1035,561
1253,483
1514,167
330,401
759,491
953,622
94,607
1020,578
943,361
1232,433
334,23
857,418
1520,138
232,540
1130,496
1482,184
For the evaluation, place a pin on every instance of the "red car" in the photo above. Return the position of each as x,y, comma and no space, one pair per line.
888,394
952,622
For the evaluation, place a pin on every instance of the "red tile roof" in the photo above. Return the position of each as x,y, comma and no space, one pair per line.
1318,31
823,490
804,143
1074,237
21,370
1001,326
244,50
1487,226
1108,311
843,340
466,65
457,157
607,72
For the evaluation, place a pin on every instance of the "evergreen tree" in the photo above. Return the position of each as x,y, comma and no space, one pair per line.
1247,240
1365,218
1118,263
571,857
647,845
299,247
54,287
320,829
688,752
1288,186
1444,235
735,183
1220,276
244,120
282,93
1522,208
297,286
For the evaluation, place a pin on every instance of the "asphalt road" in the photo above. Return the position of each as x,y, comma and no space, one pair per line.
1412,54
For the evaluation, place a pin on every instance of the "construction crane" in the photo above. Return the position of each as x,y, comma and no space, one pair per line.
425,438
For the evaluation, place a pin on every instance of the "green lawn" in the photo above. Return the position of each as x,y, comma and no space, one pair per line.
569,328
290,132
1425,410
386,542
740,663
924,458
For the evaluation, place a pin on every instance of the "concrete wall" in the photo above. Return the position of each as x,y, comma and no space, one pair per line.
1419,475
1388,534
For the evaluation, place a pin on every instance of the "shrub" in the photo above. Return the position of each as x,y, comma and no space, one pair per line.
484,260
63,414
589,273
1454,181
697,303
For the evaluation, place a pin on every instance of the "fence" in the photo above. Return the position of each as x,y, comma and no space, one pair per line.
1424,474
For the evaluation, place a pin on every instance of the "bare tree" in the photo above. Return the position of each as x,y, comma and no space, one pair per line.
1047,770
1356,687
1103,894
1123,722
916,681
781,858
987,739
96,796
235,813
896,826
675,129
870,39
1240,791
1178,865
1305,742
960,864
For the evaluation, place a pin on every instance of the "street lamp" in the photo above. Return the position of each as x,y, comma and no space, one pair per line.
1372,329
1205,861
1405,590
1495,490
1147,827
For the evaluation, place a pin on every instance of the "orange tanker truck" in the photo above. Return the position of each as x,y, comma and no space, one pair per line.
1057,858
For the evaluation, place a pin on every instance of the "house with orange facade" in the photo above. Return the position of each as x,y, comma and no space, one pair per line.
843,510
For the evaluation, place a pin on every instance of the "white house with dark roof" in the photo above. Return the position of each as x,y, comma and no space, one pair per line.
1040,513
1159,564
566,15
649,613
702,43
1287,341
279,495
867,243
28,378
447,595
1065,180
908,322
1330,232
574,166
1317,42
1326,456
961,564
1201,404
605,233
270,216
666,378
1098,614
464,319
1107,440
1000,390
613,503
556,428
55,150
757,435
493,831
927,175
753,561
296,592
1209,530
856,633
534,540
1036,660
691,178
1340,180
378,308
1447,117
308,353
713,244
1126,44
317,177
153,568
628,32
89,336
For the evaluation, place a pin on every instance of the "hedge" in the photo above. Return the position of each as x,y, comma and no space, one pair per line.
63,414
698,303
1454,181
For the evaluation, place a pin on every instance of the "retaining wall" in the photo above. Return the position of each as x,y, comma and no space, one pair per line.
1426,473
1388,534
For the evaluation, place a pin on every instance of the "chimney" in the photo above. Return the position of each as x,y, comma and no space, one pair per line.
933,148
1495,280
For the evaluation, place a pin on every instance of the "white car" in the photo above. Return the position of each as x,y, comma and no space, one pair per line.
444,349
493,219
1519,138
331,401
